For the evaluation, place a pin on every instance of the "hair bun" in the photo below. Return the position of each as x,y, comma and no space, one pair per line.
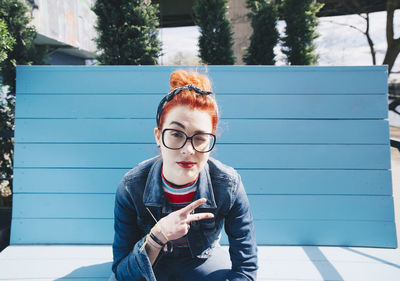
180,78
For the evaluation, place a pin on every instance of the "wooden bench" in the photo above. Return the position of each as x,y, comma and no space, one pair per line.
311,143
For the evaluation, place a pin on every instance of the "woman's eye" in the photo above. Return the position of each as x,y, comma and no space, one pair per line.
177,135
200,139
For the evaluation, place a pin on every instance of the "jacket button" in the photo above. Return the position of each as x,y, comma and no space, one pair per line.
207,252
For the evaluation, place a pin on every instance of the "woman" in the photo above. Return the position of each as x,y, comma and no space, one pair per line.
169,210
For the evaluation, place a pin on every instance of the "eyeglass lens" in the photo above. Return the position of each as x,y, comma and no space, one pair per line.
176,139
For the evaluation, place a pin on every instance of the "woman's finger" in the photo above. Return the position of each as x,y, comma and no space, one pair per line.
189,208
199,216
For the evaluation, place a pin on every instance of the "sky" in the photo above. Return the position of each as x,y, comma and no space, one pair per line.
336,45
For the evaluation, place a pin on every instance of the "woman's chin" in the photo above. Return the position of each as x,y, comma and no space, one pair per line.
188,176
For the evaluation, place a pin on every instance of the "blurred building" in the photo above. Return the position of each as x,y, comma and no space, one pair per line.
67,26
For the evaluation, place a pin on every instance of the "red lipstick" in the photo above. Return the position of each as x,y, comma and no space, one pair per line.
186,164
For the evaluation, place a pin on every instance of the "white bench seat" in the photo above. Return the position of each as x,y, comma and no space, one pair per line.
283,263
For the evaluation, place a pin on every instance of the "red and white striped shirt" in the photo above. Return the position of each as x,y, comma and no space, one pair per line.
179,196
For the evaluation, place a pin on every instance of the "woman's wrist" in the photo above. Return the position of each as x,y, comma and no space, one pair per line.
155,239
159,234
152,243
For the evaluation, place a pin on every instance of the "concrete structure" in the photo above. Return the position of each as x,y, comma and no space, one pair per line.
237,15
68,27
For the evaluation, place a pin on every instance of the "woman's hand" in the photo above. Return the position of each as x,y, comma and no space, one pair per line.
177,223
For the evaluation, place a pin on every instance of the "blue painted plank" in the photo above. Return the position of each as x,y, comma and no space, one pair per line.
297,207
333,233
65,206
323,182
248,79
230,131
250,106
268,232
322,207
274,156
63,231
67,180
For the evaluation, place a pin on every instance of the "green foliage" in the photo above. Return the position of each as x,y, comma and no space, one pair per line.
7,105
263,16
301,23
6,41
127,32
20,50
215,42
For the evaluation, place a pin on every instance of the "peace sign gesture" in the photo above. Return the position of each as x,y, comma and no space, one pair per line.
177,223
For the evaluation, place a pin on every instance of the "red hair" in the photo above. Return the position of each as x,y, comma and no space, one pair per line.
191,99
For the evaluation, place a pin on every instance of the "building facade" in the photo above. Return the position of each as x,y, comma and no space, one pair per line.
68,27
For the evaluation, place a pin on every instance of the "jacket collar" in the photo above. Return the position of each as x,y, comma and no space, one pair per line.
153,195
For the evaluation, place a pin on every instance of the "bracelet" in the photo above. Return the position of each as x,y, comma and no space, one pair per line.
152,243
158,228
155,239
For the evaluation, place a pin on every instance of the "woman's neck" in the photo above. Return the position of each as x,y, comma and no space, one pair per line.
172,184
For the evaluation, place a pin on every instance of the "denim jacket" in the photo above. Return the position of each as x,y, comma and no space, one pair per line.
221,185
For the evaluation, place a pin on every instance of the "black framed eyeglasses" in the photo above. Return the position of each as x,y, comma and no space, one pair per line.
176,139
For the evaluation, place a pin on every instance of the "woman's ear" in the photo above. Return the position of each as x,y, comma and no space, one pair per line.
157,136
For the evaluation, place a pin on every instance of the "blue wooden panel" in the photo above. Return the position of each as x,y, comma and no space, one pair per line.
96,206
274,156
248,79
298,207
322,207
67,180
240,106
230,131
62,231
333,233
268,232
360,182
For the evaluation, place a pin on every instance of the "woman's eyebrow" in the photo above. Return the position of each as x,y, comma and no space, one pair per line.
178,124
183,126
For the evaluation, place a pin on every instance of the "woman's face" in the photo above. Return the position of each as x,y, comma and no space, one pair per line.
183,165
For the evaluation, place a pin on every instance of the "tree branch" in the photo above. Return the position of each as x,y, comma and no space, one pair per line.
348,25
390,7
370,42
366,33
363,17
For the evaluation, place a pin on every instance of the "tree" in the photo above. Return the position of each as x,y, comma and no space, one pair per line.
127,32
301,22
14,18
6,41
393,44
263,16
184,58
215,42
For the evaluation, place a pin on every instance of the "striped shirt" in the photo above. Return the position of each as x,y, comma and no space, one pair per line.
179,196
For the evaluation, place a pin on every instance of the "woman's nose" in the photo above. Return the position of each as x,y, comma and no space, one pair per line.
188,147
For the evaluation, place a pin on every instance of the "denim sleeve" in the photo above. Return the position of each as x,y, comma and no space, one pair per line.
130,262
242,242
